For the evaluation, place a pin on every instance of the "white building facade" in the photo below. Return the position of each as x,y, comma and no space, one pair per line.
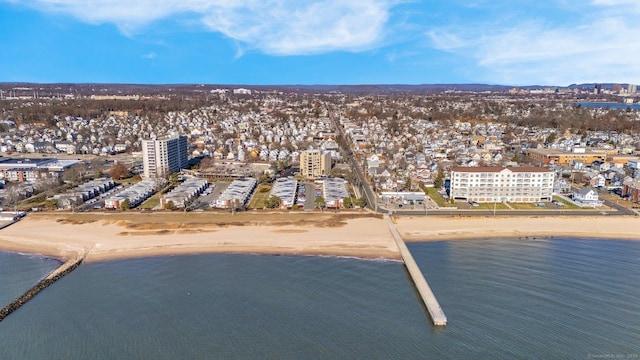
164,156
498,184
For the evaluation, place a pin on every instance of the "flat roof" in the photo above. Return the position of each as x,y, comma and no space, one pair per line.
495,169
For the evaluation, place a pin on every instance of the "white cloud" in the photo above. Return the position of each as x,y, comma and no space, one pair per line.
279,27
150,55
588,49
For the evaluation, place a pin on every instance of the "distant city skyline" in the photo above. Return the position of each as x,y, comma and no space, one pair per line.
556,42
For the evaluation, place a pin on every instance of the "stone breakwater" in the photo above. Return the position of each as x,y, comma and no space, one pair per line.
54,276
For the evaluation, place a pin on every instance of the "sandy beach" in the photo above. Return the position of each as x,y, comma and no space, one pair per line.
102,237
435,228
108,237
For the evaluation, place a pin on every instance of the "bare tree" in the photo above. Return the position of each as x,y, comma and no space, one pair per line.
119,171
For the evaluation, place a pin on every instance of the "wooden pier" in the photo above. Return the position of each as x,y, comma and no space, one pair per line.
435,311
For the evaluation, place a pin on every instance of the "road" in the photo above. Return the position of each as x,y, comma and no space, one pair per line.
362,183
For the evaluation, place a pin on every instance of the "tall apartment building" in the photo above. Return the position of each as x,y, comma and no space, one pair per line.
498,184
162,157
314,163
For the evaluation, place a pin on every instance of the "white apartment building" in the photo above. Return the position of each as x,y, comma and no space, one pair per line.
314,163
498,184
162,157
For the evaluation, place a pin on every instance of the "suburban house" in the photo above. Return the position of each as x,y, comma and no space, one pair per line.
586,196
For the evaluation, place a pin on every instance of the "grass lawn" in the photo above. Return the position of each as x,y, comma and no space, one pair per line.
260,197
526,206
567,205
490,206
151,202
435,196
129,180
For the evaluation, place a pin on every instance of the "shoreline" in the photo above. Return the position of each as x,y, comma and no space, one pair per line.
428,229
365,236
138,236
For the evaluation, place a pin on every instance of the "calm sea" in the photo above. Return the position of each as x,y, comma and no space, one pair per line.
20,272
504,299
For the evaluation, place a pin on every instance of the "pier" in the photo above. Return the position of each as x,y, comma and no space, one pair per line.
429,299
54,276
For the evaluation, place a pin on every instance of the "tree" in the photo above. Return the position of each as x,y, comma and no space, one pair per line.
551,138
72,175
439,180
320,203
407,183
273,202
119,171
361,202
347,202
265,179
11,196
174,179
126,204
169,205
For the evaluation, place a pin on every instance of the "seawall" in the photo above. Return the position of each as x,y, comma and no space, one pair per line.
433,307
54,276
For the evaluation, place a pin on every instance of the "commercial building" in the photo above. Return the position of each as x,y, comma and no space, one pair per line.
162,157
498,184
561,157
631,190
32,169
314,163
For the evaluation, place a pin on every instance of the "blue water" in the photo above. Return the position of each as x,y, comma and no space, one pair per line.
504,299
608,105
20,272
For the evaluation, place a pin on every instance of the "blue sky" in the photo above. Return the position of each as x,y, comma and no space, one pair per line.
261,42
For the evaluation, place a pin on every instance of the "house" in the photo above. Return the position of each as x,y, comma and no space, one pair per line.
561,186
597,181
586,196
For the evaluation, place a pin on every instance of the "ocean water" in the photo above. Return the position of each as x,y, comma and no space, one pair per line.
19,272
504,299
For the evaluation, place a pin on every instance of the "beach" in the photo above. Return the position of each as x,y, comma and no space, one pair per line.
102,237
436,228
